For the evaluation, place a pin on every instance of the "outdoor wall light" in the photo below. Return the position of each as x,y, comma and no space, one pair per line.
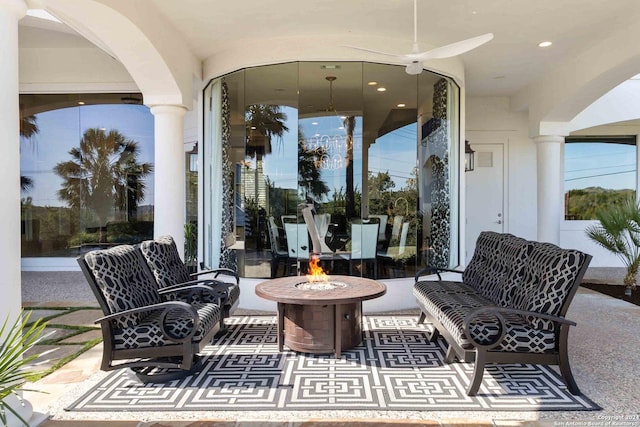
193,159
468,157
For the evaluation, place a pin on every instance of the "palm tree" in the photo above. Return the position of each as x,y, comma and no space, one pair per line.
28,128
350,210
619,232
264,121
103,174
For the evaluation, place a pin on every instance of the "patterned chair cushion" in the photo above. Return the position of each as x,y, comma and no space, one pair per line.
428,287
487,249
514,252
120,274
164,260
548,277
148,332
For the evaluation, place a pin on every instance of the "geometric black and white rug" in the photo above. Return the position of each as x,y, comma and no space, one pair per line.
394,369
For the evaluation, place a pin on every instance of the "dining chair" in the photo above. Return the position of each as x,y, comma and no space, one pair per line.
297,242
382,230
364,240
278,248
395,254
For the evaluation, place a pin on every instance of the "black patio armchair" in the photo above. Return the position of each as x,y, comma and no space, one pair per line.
169,271
157,333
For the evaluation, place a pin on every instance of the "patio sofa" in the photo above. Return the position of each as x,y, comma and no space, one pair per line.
163,259
155,332
510,306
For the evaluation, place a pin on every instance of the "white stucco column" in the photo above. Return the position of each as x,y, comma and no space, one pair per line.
169,184
550,184
11,11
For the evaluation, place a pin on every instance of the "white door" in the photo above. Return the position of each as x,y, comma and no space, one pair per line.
484,194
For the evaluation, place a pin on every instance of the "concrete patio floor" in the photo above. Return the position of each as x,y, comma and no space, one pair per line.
604,352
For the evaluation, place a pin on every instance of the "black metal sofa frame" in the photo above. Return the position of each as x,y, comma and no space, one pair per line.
155,332
510,306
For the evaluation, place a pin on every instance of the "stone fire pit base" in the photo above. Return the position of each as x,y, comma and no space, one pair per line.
312,328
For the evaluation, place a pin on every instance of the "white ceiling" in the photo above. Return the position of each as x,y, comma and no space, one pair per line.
502,67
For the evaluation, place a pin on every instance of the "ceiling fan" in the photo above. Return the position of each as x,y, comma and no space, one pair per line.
415,59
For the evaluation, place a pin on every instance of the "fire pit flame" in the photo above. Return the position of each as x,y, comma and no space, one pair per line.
316,273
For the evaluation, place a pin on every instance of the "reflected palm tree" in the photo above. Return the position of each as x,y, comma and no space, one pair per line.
103,174
264,122
350,202
28,129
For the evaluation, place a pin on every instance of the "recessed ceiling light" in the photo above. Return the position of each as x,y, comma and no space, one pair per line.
314,123
253,128
402,105
372,83
381,89
80,102
545,44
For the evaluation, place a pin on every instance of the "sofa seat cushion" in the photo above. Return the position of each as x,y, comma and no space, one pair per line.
519,337
426,288
148,333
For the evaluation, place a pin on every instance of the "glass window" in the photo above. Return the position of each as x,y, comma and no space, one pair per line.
599,171
86,172
313,157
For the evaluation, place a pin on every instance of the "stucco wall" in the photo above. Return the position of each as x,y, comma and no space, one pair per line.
50,70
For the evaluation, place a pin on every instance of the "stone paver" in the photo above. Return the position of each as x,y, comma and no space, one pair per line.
55,334
56,353
83,337
78,318
42,313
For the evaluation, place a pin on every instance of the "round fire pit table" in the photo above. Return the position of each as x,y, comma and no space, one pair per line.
320,317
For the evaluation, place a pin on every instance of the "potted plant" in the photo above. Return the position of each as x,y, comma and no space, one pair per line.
619,232
17,339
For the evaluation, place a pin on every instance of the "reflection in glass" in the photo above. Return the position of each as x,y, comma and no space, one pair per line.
86,173
318,154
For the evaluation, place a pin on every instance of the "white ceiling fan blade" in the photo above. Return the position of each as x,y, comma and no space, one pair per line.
377,52
452,49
